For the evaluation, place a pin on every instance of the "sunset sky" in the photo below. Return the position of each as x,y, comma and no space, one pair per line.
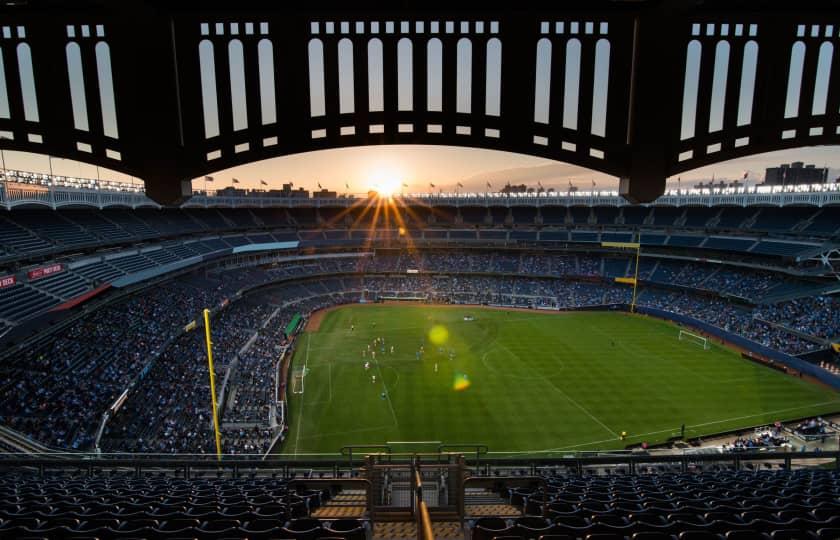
367,167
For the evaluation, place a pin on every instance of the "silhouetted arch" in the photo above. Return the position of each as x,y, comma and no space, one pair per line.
542,84
493,89
106,90
376,86
27,83
693,53
316,78
346,97
76,77
434,80
268,100
405,67
748,67
794,85
209,99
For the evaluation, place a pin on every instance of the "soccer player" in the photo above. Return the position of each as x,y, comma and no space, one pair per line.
435,367
352,327
373,354
373,379
367,366
392,349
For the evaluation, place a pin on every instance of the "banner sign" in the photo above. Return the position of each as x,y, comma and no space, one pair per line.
7,281
44,271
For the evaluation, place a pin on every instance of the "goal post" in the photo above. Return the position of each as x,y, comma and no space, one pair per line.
694,338
298,377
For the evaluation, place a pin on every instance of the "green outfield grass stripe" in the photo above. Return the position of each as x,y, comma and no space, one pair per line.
300,402
549,381
581,407
567,397
667,430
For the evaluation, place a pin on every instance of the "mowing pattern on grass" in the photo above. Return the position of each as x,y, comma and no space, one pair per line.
524,382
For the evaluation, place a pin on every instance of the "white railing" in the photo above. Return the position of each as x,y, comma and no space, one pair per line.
21,188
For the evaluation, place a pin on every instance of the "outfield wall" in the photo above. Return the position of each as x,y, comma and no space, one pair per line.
740,341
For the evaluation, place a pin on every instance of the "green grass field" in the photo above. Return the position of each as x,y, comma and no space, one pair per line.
537,383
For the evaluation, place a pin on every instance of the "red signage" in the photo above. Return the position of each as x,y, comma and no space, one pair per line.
44,271
7,281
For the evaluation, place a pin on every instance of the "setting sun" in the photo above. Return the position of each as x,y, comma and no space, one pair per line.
386,179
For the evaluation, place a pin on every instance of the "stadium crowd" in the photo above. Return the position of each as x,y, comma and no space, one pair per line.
57,391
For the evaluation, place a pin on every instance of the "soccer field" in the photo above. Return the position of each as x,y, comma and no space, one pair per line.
523,382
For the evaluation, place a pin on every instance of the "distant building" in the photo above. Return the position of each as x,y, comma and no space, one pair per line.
795,173
298,193
324,194
231,191
521,188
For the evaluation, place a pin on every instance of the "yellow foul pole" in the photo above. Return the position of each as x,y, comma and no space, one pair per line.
212,383
636,277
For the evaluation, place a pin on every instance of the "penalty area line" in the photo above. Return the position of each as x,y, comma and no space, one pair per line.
560,449
413,442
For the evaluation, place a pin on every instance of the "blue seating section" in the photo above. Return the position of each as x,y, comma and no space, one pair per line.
554,236
524,215
492,235
616,237
553,215
732,218
750,504
728,244
653,239
577,236
771,219
606,215
473,215
615,267
826,222
20,301
122,506
785,249
685,240
580,214
635,215
698,217
666,216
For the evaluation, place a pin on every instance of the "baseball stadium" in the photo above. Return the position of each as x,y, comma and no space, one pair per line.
635,354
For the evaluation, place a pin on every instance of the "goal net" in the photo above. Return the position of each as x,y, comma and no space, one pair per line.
694,338
297,380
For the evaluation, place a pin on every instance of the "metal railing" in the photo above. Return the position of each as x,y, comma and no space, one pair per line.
421,510
55,192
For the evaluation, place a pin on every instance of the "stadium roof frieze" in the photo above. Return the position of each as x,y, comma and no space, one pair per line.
61,197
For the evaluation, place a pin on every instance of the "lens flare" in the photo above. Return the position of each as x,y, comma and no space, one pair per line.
438,334
461,382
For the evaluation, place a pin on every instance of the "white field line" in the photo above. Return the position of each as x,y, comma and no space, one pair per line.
300,412
387,394
565,395
636,436
348,432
